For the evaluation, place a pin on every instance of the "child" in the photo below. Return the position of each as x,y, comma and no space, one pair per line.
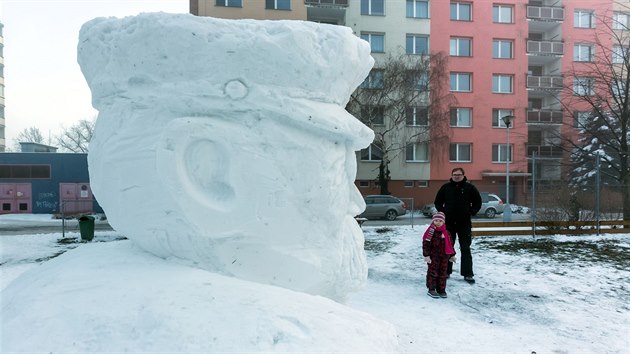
437,249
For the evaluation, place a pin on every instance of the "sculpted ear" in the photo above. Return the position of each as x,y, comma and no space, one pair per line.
193,162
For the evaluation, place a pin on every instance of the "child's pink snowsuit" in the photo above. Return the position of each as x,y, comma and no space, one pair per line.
436,243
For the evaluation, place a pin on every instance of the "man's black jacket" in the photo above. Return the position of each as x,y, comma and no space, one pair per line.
458,200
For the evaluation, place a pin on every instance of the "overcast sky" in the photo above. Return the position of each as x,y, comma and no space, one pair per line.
44,87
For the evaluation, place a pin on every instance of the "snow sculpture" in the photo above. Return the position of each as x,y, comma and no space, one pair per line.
225,143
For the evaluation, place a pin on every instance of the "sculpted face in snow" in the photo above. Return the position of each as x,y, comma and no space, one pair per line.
225,143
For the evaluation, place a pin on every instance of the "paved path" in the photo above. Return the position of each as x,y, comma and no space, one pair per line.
419,219
46,229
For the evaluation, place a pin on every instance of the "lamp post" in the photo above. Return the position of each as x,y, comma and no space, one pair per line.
507,211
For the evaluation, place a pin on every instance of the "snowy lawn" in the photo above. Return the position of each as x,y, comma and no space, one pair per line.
559,294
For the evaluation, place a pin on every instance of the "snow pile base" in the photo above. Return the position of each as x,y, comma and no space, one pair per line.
115,297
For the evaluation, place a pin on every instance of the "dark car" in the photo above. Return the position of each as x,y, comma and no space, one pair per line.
383,206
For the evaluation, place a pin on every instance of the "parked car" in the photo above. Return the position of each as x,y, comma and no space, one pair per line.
428,210
490,207
383,206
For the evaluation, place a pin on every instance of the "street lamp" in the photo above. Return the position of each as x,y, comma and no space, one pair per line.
507,211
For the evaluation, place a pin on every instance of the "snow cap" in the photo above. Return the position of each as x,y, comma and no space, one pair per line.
439,216
185,62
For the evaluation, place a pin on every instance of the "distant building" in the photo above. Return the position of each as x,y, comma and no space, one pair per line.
36,147
506,59
3,143
45,183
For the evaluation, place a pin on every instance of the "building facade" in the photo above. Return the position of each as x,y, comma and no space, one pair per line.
3,142
506,59
45,183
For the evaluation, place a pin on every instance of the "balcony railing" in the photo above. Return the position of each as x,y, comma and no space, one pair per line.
545,13
326,2
545,47
544,151
547,116
544,82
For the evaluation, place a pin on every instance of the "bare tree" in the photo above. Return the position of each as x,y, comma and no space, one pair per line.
402,100
77,137
598,87
28,135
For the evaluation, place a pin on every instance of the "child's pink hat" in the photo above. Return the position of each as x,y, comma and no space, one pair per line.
439,216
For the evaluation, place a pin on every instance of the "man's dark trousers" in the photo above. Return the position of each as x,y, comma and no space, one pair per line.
463,230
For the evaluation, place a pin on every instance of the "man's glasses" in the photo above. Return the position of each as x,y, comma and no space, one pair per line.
457,174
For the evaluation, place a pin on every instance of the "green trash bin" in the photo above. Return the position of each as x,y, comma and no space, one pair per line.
86,226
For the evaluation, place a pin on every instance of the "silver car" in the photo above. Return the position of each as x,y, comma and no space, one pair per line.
383,206
490,207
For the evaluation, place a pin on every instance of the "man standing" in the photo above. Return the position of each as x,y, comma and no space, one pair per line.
460,200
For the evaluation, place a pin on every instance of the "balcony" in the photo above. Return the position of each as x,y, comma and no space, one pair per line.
545,13
544,82
544,151
326,11
343,3
544,116
545,47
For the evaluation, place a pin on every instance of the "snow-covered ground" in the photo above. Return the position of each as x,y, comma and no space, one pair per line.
557,294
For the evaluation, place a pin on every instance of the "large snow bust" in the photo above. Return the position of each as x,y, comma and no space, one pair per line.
226,143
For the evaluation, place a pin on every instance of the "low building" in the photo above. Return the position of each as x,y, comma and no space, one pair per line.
45,183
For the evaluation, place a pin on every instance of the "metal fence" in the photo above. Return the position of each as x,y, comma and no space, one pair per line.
560,201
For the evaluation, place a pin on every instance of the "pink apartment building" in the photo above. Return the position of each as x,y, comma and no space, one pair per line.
505,58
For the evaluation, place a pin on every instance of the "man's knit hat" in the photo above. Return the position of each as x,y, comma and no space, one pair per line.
439,216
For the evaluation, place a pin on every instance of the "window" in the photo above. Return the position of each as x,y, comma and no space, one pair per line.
417,44
373,115
278,4
583,86
502,49
461,11
461,82
423,184
502,83
618,89
502,13
500,153
24,171
580,119
374,80
583,52
619,54
461,117
583,19
376,40
417,152
460,47
373,7
620,21
372,153
417,116
418,80
497,117
459,153
417,9
364,184
408,184
230,3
